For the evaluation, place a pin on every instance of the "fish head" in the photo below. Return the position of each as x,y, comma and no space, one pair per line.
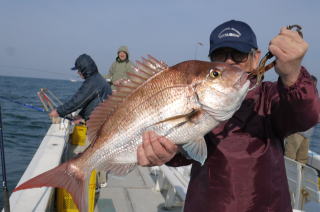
222,89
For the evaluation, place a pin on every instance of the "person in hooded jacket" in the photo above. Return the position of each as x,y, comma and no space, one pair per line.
93,90
119,68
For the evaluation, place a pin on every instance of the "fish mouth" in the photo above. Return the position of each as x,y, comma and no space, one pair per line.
241,81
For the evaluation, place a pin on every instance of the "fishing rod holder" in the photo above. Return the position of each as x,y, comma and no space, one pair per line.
50,101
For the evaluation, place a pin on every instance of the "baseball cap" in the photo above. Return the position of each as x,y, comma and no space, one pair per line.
81,61
233,34
74,68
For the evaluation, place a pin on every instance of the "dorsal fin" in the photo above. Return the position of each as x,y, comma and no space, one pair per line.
143,71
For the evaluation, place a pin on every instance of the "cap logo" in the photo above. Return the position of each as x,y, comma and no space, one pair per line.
229,32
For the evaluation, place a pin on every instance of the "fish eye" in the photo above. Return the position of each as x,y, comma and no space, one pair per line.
214,73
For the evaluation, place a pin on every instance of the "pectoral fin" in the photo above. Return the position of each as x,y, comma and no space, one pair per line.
196,150
182,119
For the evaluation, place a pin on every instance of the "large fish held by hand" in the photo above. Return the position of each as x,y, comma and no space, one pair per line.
182,102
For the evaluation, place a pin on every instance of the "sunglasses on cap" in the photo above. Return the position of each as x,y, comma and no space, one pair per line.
221,55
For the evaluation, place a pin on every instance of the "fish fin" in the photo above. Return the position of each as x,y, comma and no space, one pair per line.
119,169
122,164
177,121
182,119
149,66
97,118
142,72
196,150
65,176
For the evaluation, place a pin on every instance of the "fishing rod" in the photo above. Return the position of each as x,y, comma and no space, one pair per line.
32,107
4,174
23,104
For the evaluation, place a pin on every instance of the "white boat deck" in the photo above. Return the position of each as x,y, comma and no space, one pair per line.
156,189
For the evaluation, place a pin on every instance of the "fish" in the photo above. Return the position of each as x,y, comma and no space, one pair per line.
182,102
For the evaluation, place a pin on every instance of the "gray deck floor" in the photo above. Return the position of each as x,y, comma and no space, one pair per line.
132,193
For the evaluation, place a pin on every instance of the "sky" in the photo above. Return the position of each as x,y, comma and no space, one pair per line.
42,39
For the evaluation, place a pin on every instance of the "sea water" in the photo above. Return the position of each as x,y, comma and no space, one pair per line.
24,128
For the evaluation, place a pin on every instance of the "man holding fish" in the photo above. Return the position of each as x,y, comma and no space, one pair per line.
231,133
244,169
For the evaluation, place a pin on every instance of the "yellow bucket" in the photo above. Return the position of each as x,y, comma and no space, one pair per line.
79,135
65,202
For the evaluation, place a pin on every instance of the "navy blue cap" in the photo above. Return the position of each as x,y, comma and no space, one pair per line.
233,34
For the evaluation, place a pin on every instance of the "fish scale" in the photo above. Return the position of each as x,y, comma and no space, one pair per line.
160,113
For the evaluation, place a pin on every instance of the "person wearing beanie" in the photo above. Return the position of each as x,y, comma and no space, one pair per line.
93,91
245,170
119,68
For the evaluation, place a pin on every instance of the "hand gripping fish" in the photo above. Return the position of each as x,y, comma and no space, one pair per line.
182,102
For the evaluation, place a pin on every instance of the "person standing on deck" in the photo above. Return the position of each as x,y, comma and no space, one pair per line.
297,144
117,72
119,68
93,91
244,170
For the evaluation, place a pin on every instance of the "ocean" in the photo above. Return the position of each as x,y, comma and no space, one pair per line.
24,128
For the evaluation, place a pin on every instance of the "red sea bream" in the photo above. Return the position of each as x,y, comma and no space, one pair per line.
182,102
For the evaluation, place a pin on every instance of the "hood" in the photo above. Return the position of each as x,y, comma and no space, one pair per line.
123,49
85,64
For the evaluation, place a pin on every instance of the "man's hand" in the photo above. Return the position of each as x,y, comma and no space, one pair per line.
155,150
118,82
78,120
54,113
289,48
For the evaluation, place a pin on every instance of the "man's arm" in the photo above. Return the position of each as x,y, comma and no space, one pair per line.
85,93
289,48
110,73
297,105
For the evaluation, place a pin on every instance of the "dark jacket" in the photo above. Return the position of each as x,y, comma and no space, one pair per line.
93,90
245,169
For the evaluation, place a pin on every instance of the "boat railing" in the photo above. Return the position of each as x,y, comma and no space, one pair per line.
47,156
314,160
303,183
175,181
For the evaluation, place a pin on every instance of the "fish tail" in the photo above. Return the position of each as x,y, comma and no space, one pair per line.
67,176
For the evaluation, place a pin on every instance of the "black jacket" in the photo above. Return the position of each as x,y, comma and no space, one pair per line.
93,90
